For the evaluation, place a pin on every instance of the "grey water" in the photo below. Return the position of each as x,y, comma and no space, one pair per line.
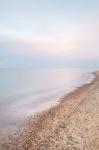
26,92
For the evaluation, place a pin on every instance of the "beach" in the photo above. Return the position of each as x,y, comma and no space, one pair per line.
49,75
73,124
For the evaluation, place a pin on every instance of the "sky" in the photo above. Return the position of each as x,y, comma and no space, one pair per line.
49,33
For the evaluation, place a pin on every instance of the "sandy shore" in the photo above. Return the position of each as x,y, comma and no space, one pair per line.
71,125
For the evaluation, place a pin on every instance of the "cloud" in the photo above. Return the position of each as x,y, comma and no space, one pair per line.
55,40
39,46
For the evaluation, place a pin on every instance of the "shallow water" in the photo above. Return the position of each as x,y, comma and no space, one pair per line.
25,92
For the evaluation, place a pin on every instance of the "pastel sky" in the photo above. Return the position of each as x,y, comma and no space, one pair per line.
49,33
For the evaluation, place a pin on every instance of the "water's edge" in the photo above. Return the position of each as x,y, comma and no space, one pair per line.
38,114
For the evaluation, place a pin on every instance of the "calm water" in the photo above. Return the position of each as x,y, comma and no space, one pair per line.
24,92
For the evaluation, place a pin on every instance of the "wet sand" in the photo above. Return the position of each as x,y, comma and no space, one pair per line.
71,125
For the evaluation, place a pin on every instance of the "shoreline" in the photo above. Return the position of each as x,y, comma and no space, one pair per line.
53,103
46,125
64,97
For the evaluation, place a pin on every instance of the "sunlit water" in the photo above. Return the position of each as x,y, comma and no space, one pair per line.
25,92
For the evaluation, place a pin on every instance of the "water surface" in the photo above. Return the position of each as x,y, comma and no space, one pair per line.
25,92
